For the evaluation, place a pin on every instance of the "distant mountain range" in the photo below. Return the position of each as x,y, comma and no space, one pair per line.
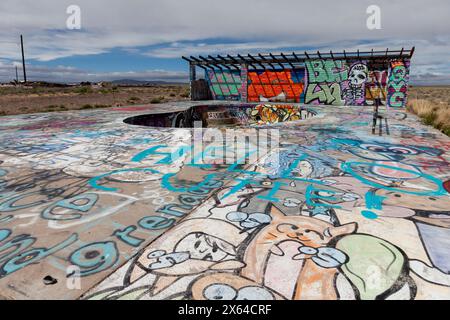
120,82
132,82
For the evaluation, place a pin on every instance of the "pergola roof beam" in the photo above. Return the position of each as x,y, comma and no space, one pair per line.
219,63
265,60
244,60
290,63
293,58
254,59
279,63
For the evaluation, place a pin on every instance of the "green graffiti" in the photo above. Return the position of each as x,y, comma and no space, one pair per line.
374,265
326,71
324,93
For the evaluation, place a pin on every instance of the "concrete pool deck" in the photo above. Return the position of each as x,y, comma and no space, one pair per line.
94,208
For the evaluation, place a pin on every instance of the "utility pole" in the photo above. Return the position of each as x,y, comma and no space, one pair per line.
17,75
23,60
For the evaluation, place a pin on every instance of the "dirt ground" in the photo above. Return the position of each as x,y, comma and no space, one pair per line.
435,94
20,100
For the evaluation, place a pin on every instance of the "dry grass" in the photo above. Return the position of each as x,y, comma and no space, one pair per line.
432,112
20,99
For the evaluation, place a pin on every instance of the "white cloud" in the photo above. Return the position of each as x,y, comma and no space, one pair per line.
177,27
70,74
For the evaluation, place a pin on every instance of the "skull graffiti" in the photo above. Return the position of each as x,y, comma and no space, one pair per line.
358,75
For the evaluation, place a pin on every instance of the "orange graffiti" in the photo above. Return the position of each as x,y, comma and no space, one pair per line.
272,84
267,113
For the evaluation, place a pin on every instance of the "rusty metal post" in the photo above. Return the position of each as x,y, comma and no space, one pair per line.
244,85
192,78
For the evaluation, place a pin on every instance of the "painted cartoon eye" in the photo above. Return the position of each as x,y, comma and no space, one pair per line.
350,197
219,292
254,293
156,254
329,257
256,219
237,216
307,250
323,193
373,147
286,227
402,150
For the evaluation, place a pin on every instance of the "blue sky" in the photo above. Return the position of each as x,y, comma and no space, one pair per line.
145,39
119,60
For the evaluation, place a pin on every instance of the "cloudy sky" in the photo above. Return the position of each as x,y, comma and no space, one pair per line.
145,39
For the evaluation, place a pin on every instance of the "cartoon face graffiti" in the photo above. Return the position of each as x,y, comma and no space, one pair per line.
358,75
299,246
225,286
205,247
385,151
194,246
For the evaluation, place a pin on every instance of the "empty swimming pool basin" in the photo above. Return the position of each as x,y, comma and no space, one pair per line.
225,115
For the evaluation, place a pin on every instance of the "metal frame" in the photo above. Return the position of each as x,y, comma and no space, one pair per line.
294,60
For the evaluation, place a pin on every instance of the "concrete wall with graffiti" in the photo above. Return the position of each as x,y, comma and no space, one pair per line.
225,84
332,213
238,115
281,85
325,81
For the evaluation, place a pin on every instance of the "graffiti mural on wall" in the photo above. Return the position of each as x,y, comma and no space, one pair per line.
354,89
398,83
322,81
284,85
225,84
219,115
376,86
273,113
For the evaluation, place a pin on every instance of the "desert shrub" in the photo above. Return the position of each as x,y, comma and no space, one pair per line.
83,90
133,100
55,107
157,100
436,114
429,118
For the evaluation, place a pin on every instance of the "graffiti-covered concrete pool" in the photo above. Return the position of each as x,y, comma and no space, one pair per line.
97,206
